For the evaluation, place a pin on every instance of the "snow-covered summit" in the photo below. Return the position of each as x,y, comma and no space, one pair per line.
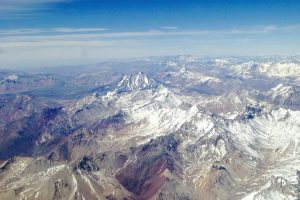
12,77
285,95
282,90
137,81
9,79
194,77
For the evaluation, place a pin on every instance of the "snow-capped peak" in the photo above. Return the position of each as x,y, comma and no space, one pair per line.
195,77
220,62
282,90
137,81
12,77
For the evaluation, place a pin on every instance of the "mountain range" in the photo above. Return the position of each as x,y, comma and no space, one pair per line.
182,127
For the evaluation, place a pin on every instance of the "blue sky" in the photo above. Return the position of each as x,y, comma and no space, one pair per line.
37,33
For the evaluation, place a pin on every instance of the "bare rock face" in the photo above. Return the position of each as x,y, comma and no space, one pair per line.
6,165
154,166
87,164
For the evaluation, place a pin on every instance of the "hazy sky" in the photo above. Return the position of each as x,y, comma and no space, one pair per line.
37,33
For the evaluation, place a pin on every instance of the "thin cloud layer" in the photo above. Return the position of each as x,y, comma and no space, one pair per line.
169,27
65,45
36,31
66,33
21,8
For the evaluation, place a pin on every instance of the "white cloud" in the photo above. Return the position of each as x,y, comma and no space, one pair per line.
99,36
20,31
169,27
35,31
64,33
271,28
55,43
17,8
77,30
294,27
